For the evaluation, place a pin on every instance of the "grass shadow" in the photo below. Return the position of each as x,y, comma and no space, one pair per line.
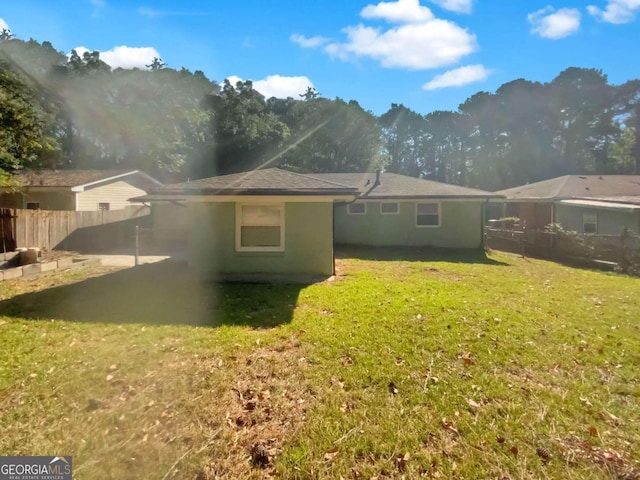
162,293
417,254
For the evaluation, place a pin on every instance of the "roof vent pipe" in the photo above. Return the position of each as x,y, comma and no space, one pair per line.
377,177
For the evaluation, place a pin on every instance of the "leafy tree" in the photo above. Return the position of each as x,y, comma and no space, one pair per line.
331,136
403,132
156,64
5,34
245,132
24,140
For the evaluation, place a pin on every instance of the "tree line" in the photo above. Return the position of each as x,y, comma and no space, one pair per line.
75,111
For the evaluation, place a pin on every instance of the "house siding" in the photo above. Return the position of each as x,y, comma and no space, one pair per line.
48,200
170,222
460,226
116,194
308,241
610,222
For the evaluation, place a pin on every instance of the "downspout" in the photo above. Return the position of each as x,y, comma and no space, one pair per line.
483,216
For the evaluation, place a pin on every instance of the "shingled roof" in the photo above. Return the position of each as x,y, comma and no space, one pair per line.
274,181
270,181
577,186
71,178
393,185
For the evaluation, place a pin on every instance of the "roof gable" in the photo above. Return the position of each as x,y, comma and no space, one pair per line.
577,186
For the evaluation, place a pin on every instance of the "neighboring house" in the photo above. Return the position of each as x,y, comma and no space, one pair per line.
273,221
603,204
79,190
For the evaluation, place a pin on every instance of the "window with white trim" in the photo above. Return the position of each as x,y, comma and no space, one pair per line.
427,214
260,228
358,208
589,223
389,208
104,206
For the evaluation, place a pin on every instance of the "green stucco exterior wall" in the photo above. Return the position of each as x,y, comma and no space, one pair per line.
308,241
460,226
610,222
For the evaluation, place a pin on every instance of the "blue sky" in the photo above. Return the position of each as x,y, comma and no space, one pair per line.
425,54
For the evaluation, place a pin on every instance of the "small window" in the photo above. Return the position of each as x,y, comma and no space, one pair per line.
357,208
428,214
260,228
589,223
389,208
33,205
103,206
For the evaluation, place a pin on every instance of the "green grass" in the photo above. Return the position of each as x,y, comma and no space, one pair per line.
441,366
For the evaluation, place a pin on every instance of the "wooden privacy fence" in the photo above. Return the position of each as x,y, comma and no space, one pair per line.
66,230
622,249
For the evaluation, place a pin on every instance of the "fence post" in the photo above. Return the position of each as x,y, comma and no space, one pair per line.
137,244
623,260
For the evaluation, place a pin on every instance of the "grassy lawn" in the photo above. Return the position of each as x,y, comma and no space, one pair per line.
445,367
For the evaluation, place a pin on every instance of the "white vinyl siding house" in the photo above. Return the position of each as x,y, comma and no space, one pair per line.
115,194
76,190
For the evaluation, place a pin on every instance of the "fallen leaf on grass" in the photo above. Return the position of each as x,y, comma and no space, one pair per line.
593,431
543,453
514,450
473,403
331,455
109,377
401,461
392,388
448,426
586,402
259,455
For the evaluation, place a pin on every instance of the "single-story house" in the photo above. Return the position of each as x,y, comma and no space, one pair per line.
397,210
603,204
273,221
76,190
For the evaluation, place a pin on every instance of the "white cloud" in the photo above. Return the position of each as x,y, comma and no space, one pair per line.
308,42
458,77
552,24
99,3
125,57
432,44
277,85
4,25
616,11
420,41
401,11
458,6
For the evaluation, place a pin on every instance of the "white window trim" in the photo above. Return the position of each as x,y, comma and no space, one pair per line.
357,213
397,204
239,247
415,217
595,222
